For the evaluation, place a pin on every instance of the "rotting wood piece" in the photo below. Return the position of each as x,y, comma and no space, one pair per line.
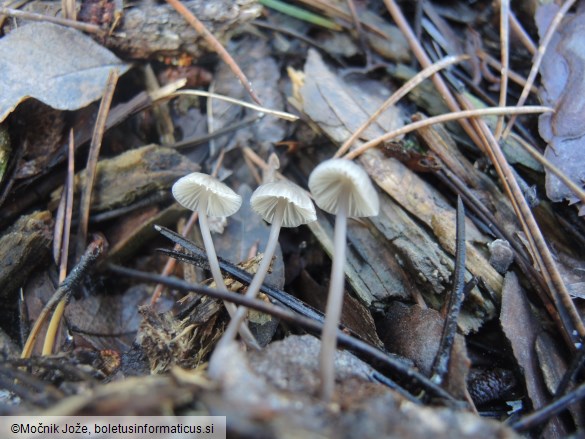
150,30
22,248
132,176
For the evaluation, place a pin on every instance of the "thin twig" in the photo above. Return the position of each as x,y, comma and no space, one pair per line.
444,118
67,287
285,315
289,32
576,366
92,160
359,30
161,112
399,94
538,60
32,16
334,10
441,363
540,251
199,258
505,58
198,140
492,62
216,45
425,61
521,33
544,414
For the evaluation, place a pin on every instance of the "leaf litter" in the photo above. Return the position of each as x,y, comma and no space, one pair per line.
399,266
65,69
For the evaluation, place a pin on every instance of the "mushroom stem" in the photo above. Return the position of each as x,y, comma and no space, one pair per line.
334,304
218,278
254,287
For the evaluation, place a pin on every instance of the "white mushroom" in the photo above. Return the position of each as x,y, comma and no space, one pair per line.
284,204
209,197
343,188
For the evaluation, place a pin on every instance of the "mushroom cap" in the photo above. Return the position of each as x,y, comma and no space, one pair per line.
335,178
299,207
198,191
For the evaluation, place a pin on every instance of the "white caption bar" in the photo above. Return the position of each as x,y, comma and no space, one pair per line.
112,427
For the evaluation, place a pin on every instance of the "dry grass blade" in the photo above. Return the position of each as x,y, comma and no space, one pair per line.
444,118
161,112
399,94
281,114
492,62
565,307
92,159
68,194
212,41
505,56
425,61
521,33
334,10
538,60
87,260
69,9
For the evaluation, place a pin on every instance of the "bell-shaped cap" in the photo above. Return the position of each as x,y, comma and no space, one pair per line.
202,192
299,208
337,178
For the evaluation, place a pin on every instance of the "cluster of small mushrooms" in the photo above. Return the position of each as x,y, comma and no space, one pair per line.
338,186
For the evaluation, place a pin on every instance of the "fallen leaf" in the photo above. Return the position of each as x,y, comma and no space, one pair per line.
57,65
338,107
564,90
522,330
415,333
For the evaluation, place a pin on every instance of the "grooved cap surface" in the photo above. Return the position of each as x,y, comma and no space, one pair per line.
198,191
336,178
299,207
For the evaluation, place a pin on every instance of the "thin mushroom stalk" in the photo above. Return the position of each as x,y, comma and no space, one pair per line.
208,196
284,204
342,188
218,278
334,303
232,329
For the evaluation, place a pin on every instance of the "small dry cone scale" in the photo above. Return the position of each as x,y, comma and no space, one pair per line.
344,189
209,197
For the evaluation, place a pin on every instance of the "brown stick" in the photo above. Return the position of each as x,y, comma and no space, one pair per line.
425,61
94,151
540,250
216,45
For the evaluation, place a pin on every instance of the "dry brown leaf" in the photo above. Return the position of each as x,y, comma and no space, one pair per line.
564,90
64,68
415,333
522,330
